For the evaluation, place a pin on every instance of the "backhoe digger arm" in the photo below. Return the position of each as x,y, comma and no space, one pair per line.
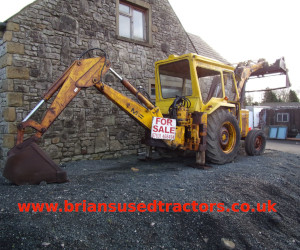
138,112
81,74
27,163
143,115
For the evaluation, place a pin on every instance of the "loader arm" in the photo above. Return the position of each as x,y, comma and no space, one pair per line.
245,70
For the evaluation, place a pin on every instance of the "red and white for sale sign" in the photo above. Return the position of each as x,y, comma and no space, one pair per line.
163,128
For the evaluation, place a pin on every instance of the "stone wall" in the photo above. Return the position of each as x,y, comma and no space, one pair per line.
41,41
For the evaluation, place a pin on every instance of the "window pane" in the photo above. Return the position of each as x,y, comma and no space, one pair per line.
124,26
171,86
124,8
138,24
175,79
229,86
285,118
152,90
210,84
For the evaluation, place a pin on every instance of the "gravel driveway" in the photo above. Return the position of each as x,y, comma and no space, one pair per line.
273,176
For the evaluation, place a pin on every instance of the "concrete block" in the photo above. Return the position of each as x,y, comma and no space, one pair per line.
17,73
14,99
7,36
12,128
15,48
11,26
9,114
8,141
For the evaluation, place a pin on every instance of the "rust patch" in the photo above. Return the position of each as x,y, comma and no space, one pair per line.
52,110
28,164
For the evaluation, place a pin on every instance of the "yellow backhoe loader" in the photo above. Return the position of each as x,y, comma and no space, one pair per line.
197,108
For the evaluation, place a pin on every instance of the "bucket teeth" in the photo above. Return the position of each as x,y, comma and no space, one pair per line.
28,164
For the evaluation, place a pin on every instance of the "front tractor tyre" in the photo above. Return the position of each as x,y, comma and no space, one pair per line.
255,142
223,137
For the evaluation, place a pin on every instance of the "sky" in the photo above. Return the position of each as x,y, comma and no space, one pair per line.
238,30
247,30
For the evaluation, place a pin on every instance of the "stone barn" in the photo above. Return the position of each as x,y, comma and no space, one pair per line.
42,40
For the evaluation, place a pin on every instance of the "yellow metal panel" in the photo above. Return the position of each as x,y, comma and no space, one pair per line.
135,110
179,138
215,103
244,122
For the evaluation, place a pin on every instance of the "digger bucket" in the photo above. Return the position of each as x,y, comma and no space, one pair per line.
278,67
28,164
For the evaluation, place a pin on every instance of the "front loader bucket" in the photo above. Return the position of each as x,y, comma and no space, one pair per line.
278,67
28,164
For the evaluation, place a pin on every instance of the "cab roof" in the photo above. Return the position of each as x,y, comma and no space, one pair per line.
193,56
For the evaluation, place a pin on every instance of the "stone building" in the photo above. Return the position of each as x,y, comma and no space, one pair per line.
41,41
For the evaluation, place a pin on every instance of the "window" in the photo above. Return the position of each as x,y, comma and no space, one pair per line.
152,88
134,21
283,117
229,85
210,84
175,79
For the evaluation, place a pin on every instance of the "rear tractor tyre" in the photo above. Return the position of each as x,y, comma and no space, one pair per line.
223,137
255,142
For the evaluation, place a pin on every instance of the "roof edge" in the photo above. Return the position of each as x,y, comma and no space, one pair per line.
25,7
216,55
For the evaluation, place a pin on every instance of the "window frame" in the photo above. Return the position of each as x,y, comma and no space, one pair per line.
201,88
160,74
140,6
224,72
151,88
282,115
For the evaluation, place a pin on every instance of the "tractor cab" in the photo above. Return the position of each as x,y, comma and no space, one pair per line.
207,83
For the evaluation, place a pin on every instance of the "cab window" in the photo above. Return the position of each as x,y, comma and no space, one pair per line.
175,79
229,85
210,84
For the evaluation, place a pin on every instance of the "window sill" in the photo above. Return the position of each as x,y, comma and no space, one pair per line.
137,42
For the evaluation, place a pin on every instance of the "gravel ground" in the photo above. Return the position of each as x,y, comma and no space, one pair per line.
273,176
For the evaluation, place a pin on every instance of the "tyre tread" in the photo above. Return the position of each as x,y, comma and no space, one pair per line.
214,153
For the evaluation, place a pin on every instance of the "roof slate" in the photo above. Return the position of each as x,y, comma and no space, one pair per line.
204,49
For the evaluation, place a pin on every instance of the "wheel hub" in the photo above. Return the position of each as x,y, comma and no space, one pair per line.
224,136
258,143
227,137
